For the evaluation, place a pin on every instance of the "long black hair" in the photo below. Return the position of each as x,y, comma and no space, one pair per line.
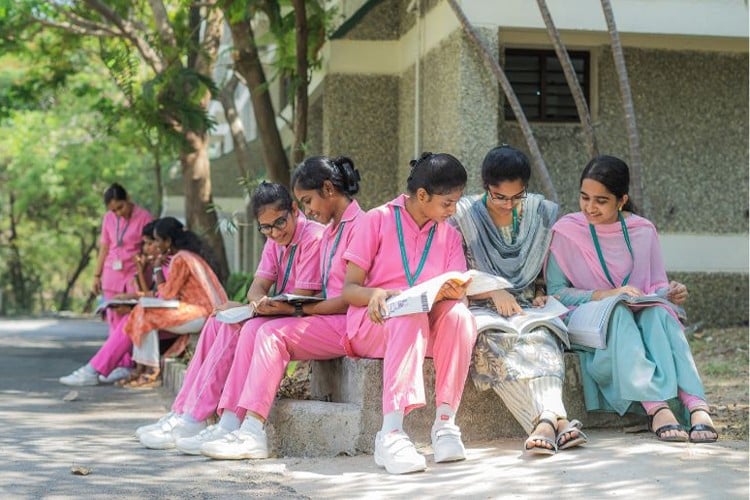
339,171
436,173
185,239
613,173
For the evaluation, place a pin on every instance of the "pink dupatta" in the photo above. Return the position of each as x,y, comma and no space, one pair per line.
574,251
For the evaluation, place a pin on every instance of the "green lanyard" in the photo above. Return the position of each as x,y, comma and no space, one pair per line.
327,268
120,237
516,224
287,271
601,255
411,279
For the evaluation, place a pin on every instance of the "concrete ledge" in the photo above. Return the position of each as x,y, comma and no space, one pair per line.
347,413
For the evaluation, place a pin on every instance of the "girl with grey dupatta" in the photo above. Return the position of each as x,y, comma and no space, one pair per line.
507,233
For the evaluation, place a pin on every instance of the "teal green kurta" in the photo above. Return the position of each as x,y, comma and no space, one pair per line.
647,357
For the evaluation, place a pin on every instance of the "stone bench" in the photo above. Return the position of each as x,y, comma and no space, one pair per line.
347,411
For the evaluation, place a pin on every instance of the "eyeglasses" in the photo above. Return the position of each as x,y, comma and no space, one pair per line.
279,224
499,198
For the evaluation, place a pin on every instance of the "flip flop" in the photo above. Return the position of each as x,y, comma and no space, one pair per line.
701,428
666,428
541,450
579,439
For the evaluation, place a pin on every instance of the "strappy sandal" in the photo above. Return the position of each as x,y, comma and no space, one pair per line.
146,380
666,428
137,372
541,450
579,439
702,428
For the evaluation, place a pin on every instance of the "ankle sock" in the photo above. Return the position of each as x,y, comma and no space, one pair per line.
186,417
252,425
445,415
89,369
393,421
229,421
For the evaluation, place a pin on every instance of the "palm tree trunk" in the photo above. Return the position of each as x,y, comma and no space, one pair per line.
573,83
538,165
636,165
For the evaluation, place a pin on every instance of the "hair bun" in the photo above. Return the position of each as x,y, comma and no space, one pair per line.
422,157
350,175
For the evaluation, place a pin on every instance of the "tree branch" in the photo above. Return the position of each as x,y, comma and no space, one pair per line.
161,19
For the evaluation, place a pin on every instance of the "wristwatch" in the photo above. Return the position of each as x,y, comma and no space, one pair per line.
298,311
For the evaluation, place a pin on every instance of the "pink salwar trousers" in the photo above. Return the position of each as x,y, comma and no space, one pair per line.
116,349
447,334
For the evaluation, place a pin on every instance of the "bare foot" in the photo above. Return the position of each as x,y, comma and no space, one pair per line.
563,438
666,417
700,416
542,429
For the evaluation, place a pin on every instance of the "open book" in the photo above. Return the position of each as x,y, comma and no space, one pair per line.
532,317
247,311
149,302
420,298
587,324
115,303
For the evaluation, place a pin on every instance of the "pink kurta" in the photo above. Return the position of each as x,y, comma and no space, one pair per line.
123,236
209,368
313,337
447,333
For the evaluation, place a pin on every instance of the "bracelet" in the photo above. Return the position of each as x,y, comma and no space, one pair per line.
155,270
298,311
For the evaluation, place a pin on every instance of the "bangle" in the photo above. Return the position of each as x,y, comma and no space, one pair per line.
155,270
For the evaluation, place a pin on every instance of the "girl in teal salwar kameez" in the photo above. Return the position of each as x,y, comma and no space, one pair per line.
604,250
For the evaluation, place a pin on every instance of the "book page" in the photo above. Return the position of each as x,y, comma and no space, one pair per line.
149,302
292,298
236,314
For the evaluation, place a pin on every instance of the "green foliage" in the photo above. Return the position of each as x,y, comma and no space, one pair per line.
238,285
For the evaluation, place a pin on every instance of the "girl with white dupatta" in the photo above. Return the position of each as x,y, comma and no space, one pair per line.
506,232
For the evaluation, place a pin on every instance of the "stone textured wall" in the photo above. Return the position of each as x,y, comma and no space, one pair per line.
360,120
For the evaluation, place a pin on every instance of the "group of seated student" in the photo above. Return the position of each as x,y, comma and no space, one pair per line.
356,260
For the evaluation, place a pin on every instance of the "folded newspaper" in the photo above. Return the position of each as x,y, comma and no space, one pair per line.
420,298
587,324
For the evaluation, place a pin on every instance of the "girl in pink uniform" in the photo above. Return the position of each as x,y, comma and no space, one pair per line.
119,243
398,245
325,188
289,264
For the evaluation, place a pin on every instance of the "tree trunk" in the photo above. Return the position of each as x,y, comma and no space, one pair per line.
570,76
247,63
196,175
241,154
301,104
86,249
636,165
538,165
21,299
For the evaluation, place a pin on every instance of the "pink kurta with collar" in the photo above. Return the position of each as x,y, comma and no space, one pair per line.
123,236
312,337
208,370
447,333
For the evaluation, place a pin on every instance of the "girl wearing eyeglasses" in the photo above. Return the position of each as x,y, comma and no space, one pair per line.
399,245
289,264
605,250
506,232
325,189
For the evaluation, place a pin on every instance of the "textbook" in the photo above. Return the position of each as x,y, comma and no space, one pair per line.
587,324
532,317
247,311
420,298
153,302
115,303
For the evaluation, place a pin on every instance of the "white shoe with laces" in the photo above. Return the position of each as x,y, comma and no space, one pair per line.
395,451
165,437
118,373
192,445
446,443
238,445
83,376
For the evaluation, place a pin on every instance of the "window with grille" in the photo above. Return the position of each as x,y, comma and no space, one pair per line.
539,82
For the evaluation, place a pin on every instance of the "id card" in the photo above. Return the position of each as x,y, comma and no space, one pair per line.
117,265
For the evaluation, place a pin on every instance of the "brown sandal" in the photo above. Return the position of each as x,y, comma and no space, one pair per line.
149,378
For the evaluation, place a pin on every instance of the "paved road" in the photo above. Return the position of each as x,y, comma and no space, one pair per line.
43,437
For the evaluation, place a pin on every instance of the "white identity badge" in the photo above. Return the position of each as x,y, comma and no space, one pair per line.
117,265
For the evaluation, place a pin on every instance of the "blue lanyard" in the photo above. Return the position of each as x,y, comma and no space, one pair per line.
119,237
601,254
411,279
287,271
327,268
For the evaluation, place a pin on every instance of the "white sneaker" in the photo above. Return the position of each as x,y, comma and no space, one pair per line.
152,427
81,377
192,445
446,443
395,451
170,431
118,373
238,445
